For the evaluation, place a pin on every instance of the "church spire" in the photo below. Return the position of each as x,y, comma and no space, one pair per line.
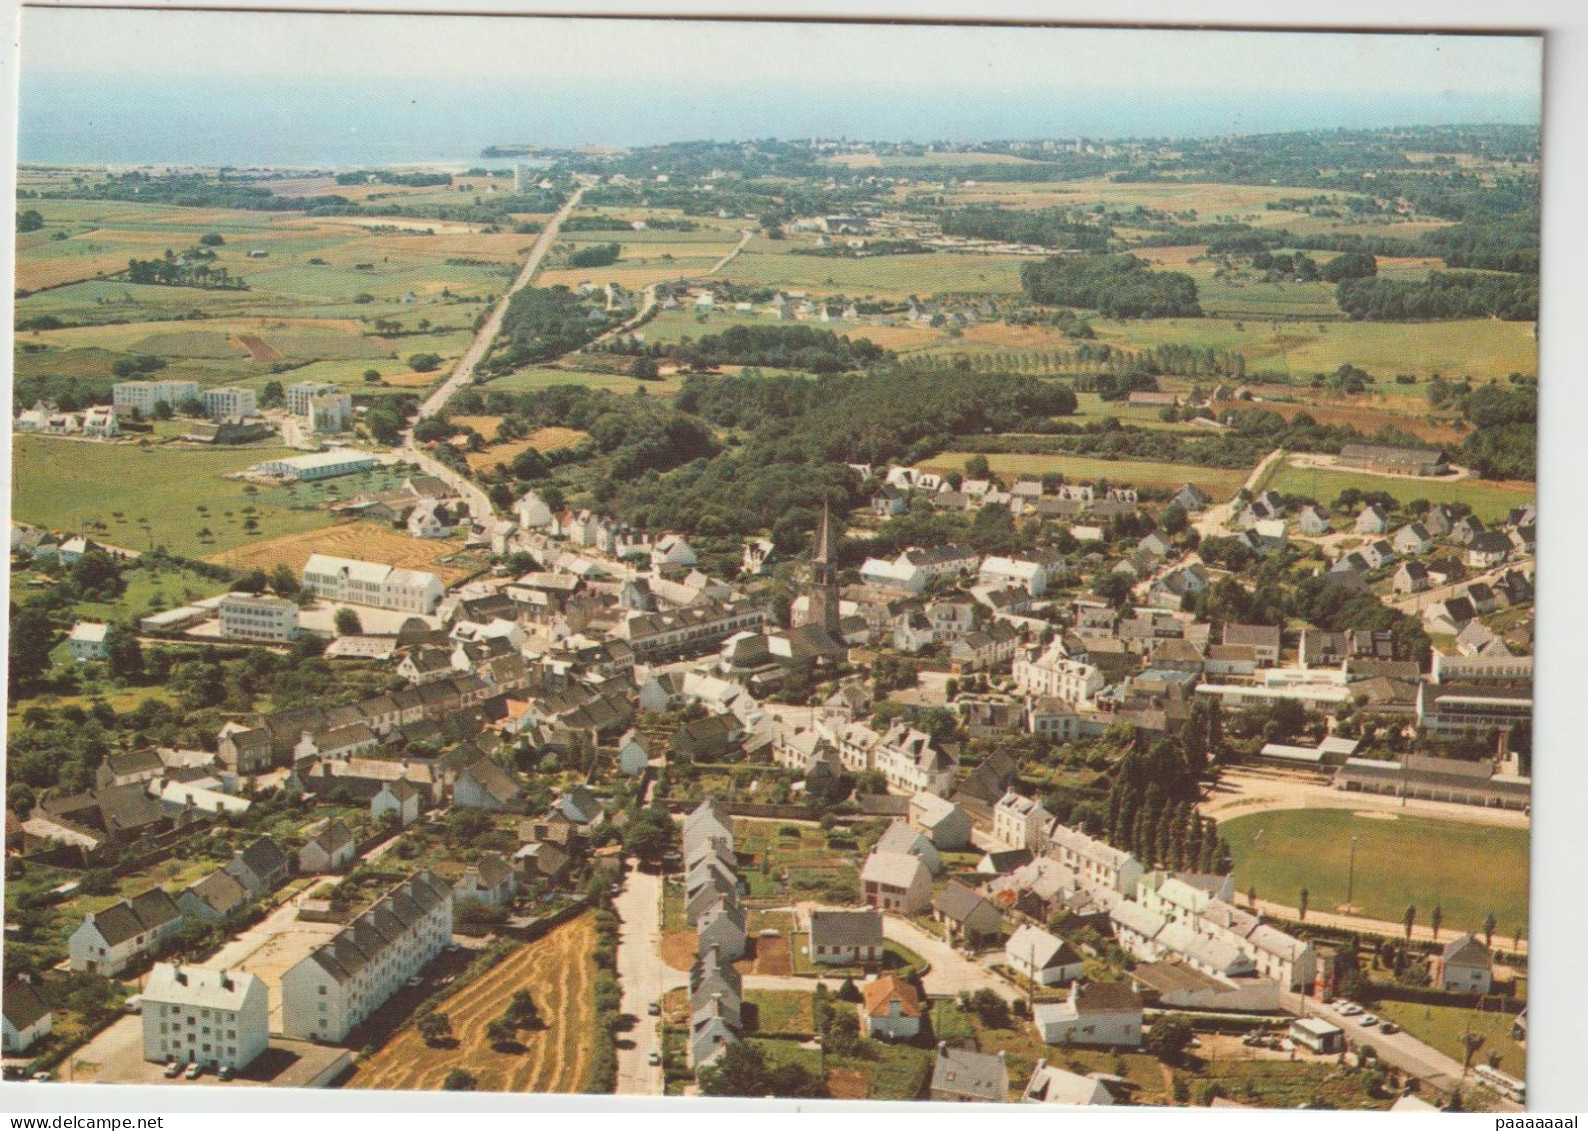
824,539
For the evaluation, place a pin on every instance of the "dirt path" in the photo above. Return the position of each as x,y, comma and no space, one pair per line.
732,255
557,972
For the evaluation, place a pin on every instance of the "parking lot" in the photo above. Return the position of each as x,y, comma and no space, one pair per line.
272,947
115,1056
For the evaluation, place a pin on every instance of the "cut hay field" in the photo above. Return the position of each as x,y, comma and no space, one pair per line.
1367,413
1488,499
886,276
671,325
368,540
162,484
1466,870
1220,483
542,440
544,377
558,973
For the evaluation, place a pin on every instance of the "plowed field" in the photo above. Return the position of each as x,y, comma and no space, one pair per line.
558,973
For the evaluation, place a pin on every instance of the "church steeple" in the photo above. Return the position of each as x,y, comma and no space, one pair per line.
824,578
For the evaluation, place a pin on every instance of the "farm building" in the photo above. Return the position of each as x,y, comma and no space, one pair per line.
317,465
1397,461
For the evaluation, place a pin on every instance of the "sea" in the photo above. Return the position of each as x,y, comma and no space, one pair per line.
310,123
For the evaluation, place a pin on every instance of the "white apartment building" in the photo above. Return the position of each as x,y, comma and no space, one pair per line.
1021,822
1093,861
144,395
216,1018
301,395
228,403
331,412
109,941
1052,675
347,979
350,581
911,763
247,616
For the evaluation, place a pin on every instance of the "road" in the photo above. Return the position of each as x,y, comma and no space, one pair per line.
1401,1049
1417,602
478,502
1214,522
645,978
951,971
744,238
1241,791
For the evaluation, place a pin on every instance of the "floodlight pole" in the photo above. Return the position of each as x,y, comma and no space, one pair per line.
1350,879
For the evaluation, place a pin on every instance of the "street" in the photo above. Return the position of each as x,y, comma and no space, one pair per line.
645,978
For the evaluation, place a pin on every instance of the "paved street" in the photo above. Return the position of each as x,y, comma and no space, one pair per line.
951,971
645,978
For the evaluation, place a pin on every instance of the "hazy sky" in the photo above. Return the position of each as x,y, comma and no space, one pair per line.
175,43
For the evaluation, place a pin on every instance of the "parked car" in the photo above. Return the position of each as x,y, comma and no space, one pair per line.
1389,1028
654,1009
225,1073
1368,1021
416,980
42,1077
173,1070
654,1059
194,1071
1349,1008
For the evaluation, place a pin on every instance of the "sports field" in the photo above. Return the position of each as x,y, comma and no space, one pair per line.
1466,870
1488,499
153,496
558,973
1220,483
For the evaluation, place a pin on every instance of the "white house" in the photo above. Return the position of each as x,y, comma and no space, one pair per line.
216,1018
632,755
332,849
1096,1013
901,837
1021,822
945,823
895,881
1050,1084
344,981
1041,957
532,512
1053,675
1464,966
24,1017
88,641
110,940
1093,861
397,797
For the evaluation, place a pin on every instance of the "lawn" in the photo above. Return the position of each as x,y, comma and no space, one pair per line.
1442,1026
1220,483
149,588
1488,499
147,497
1466,870
778,1011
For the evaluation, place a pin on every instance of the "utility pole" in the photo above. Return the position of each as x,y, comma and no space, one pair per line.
1350,878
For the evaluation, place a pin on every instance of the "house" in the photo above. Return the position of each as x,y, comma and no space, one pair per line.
1411,577
111,940
1094,862
967,1076
901,837
489,880
845,938
1021,822
895,881
1262,638
193,1015
722,925
891,1008
1373,519
1314,520
1488,549
261,867
967,915
485,785
1050,1084
1413,538
708,830
214,898
633,757
24,1017
1041,957
332,849
348,978
1463,966
397,797
88,641
1096,1013
1190,498
889,501
944,822
581,807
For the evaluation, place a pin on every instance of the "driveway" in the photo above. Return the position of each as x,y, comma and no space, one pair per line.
645,978
951,971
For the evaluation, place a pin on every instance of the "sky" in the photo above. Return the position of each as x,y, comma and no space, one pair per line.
111,42
121,86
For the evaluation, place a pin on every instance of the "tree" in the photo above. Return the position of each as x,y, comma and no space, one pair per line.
743,1071
283,581
1302,908
977,467
650,833
29,221
434,1028
32,637
1436,919
500,1033
990,1009
348,623
424,362
1410,919
521,1011
1488,930
212,239
123,654
20,798
1470,1044
459,1080
1169,1037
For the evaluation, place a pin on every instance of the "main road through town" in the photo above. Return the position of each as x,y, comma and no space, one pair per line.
644,978
479,505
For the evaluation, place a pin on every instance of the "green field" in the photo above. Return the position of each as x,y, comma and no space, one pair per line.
1466,870
536,378
164,485
893,276
1442,1027
1221,483
1489,500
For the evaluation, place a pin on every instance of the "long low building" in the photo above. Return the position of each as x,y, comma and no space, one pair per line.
1436,779
380,586
317,465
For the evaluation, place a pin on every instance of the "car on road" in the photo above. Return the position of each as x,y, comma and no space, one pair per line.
654,1009
173,1070
194,1071
654,1059
42,1077
1367,1021
416,980
225,1073
1389,1028
1348,1008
